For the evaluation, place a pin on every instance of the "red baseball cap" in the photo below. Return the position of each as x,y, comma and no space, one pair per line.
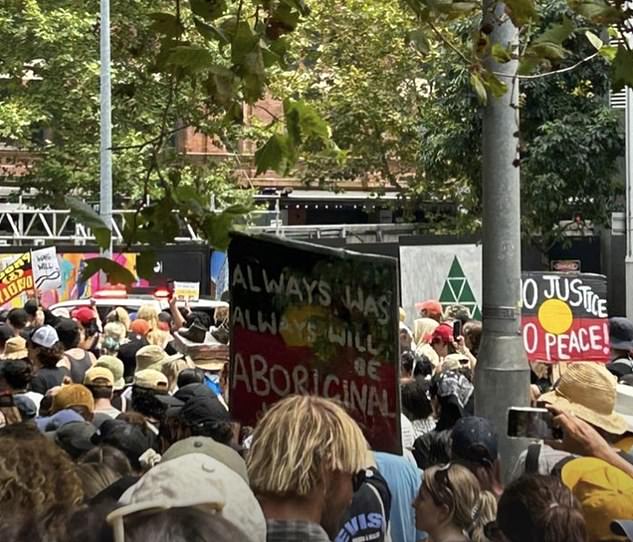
140,327
443,333
431,306
84,315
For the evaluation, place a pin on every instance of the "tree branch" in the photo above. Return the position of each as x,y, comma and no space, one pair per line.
547,74
448,42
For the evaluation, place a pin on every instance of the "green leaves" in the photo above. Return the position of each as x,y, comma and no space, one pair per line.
273,155
167,24
217,226
597,11
191,58
87,216
477,83
208,9
500,53
622,69
115,272
547,47
303,125
419,40
521,12
607,52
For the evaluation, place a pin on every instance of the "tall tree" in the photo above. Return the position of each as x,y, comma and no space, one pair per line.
175,63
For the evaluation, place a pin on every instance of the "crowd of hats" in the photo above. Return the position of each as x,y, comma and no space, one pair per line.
131,409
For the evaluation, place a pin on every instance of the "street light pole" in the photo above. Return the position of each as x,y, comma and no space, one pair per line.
105,151
502,372
628,223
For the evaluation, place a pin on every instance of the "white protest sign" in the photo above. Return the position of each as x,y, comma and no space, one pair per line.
187,291
47,274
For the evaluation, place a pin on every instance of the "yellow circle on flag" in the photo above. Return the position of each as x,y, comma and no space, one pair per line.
555,316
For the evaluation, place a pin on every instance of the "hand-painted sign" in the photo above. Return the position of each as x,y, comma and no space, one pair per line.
16,278
565,317
313,320
47,273
189,291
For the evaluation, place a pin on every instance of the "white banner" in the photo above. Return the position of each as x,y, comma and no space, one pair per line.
47,274
448,273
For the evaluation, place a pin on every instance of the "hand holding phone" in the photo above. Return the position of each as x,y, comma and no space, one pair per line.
457,330
533,423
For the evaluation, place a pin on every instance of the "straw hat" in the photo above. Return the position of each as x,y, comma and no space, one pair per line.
588,390
15,348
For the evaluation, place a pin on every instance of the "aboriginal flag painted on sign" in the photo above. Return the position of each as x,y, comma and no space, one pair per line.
565,317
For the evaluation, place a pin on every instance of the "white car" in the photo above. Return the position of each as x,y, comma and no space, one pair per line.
105,304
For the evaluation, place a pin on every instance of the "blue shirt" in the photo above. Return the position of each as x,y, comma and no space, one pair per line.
404,482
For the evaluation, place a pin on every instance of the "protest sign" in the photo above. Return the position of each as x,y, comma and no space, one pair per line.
565,317
313,320
46,271
16,278
189,291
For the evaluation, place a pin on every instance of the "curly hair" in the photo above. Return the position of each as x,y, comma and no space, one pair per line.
36,478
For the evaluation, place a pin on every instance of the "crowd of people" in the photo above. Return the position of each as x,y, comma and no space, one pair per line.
116,428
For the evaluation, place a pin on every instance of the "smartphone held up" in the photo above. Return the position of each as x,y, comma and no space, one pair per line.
532,423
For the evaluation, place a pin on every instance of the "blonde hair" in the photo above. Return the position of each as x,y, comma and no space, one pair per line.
171,369
119,315
150,314
116,330
470,508
299,439
157,337
221,314
423,329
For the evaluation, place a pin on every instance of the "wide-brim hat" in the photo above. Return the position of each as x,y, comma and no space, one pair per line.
588,390
15,348
624,403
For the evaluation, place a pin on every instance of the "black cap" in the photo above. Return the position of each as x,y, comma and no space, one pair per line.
193,390
474,439
621,333
124,436
204,409
75,438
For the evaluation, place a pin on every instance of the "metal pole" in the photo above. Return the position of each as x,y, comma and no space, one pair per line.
628,223
105,200
502,372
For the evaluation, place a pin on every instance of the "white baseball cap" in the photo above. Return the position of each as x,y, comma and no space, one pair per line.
193,480
45,336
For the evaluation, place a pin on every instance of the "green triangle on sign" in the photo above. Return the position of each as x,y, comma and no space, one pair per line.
457,285
456,270
447,296
467,295
457,290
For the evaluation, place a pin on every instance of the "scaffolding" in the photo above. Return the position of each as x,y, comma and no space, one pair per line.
33,227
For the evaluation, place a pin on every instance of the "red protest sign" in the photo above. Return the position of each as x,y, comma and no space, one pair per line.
313,320
564,317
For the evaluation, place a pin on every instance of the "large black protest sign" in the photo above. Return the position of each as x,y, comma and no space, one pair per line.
313,320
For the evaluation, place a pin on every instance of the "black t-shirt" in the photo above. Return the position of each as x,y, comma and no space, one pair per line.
46,378
367,518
